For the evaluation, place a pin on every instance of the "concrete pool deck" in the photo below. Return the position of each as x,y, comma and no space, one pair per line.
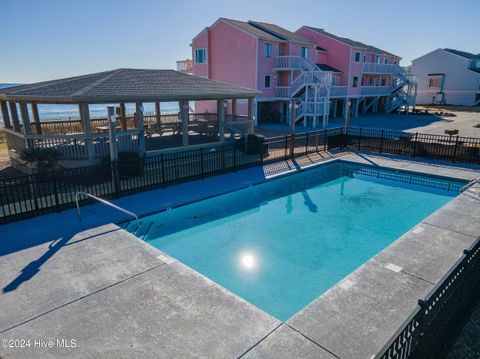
117,296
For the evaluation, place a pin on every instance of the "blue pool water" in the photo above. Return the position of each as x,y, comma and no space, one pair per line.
281,244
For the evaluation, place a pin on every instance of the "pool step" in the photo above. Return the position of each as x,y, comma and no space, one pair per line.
138,231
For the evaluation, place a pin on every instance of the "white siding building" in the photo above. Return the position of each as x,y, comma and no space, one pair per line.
447,76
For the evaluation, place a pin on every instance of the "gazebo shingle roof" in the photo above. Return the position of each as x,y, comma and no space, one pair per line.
126,85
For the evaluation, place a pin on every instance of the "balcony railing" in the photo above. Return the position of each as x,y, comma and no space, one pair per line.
373,68
375,90
338,91
184,66
282,92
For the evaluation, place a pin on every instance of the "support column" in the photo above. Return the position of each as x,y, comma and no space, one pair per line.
234,109
140,127
36,119
123,116
292,116
356,106
345,107
87,129
14,114
184,117
158,113
112,135
5,115
221,119
251,111
348,113
335,108
27,129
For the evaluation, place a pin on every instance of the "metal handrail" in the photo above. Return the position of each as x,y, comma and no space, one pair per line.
469,184
105,202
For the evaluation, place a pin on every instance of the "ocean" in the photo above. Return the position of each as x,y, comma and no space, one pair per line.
65,112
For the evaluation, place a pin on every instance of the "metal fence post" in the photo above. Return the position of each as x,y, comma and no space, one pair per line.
201,163
455,150
55,190
306,143
325,140
381,143
286,146
234,157
359,138
162,158
415,145
292,145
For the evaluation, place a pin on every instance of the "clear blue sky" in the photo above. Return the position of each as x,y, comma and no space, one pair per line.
48,39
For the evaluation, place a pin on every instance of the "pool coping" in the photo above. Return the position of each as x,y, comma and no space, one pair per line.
314,331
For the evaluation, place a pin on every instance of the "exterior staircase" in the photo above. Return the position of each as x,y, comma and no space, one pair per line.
404,92
310,88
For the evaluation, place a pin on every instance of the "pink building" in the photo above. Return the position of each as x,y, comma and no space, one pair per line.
310,70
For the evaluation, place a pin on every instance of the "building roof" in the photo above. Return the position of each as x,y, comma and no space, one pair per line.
325,67
261,34
129,85
280,32
465,54
350,42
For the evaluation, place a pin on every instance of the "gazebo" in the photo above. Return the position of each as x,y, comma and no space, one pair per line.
84,140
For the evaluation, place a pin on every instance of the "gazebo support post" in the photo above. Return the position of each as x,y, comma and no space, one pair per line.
234,109
87,129
158,114
14,114
36,119
27,129
251,108
112,134
140,127
5,115
123,116
184,112
221,105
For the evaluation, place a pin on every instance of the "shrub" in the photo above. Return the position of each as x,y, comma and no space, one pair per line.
43,158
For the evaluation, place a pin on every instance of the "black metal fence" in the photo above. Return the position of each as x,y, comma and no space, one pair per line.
440,147
421,334
31,195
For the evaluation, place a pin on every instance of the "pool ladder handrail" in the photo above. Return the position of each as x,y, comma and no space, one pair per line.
105,202
469,184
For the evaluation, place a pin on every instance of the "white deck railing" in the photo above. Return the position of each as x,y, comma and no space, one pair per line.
282,92
74,146
338,91
374,68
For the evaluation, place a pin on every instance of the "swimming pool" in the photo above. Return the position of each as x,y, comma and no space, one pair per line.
283,243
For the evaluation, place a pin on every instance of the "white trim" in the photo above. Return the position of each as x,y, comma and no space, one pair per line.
270,82
359,57
205,56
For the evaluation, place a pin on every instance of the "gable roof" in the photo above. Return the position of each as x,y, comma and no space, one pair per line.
465,54
129,85
280,32
350,42
253,30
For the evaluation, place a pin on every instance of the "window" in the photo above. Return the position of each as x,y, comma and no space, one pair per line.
383,83
267,50
266,82
357,56
304,52
364,58
355,81
378,59
394,62
385,61
200,56
434,82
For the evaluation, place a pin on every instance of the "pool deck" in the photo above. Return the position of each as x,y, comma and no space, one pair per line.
116,296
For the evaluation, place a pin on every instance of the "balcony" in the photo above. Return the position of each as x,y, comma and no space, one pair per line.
185,66
375,90
338,91
373,68
282,92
